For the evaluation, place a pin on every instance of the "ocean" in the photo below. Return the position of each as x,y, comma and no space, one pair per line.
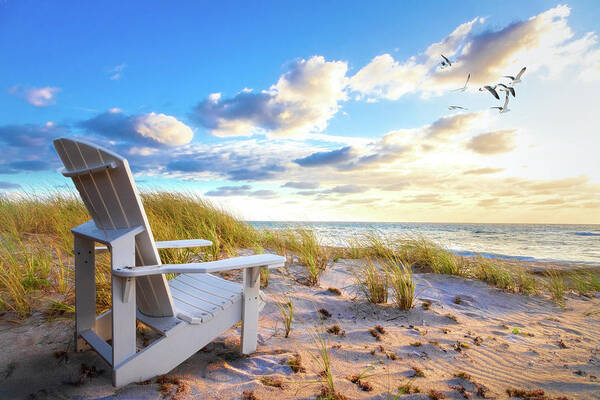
528,242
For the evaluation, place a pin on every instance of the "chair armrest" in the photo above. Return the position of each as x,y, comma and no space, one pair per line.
258,260
171,244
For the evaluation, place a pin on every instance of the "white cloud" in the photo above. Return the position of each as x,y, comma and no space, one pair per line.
38,97
386,78
302,101
544,43
164,129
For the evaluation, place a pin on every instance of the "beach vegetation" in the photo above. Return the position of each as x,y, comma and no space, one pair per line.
555,283
402,282
372,282
286,308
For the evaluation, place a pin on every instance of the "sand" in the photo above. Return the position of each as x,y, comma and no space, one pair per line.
556,349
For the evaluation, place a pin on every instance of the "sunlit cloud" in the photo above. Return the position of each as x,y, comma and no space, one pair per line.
151,129
495,142
303,100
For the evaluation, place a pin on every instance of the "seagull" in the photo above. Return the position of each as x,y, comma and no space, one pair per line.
491,89
507,89
504,108
456,108
515,79
462,89
446,62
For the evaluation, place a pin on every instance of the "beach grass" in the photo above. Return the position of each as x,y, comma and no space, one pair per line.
372,282
402,283
36,260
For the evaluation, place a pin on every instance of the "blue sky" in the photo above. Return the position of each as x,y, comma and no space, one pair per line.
229,101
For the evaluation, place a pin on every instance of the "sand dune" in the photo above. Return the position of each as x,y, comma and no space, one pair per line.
500,340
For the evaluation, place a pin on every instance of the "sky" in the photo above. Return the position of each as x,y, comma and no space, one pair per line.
316,110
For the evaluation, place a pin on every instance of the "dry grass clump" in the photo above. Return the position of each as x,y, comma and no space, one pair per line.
408,388
436,395
372,282
272,381
418,372
334,291
336,330
536,394
463,375
249,395
324,313
295,363
172,387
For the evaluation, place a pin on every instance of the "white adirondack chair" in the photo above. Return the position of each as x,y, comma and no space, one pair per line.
188,311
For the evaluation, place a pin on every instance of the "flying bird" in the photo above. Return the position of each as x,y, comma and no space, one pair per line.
516,79
491,89
504,108
507,89
456,108
446,62
462,89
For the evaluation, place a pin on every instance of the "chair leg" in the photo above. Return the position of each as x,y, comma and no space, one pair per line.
250,309
85,289
123,303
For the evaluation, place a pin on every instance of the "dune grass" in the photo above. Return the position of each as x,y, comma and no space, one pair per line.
372,282
286,307
401,280
36,260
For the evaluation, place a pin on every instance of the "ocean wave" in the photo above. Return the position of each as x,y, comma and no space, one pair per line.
587,234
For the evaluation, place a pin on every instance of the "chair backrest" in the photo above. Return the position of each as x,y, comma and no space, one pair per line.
109,193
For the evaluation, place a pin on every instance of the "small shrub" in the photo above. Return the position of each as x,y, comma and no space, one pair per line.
418,372
324,313
334,291
426,305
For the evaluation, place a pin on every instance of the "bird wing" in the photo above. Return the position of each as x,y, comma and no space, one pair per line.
499,108
444,57
512,91
492,91
521,72
468,77
505,101
508,76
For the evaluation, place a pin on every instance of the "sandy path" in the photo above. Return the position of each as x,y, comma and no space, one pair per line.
496,358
